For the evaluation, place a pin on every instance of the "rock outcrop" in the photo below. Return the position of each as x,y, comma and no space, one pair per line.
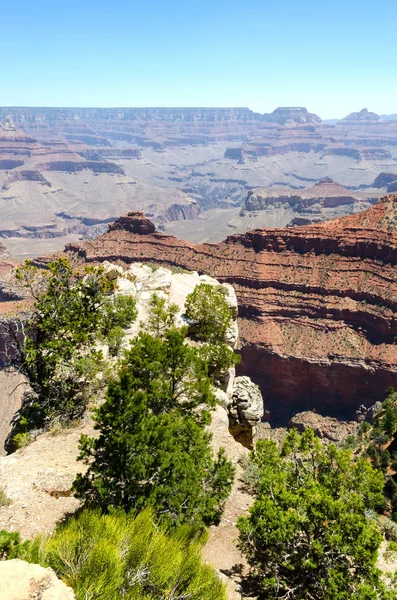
239,396
135,222
318,304
20,580
386,180
324,201
298,115
327,428
362,116
246,410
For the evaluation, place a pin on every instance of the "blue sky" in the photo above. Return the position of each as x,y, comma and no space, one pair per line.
331,56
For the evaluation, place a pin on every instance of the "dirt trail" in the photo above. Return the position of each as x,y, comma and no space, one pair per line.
221,550
37,479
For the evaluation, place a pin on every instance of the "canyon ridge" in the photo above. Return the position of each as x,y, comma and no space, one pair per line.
318,303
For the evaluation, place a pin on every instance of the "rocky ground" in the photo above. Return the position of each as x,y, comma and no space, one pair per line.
37,480
20,580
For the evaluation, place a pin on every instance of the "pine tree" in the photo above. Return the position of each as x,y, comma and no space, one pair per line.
153,449
309,534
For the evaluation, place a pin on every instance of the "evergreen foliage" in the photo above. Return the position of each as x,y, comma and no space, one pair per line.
385,421
208,308
309,534
153,449
122,557
218,357
56,350
161,316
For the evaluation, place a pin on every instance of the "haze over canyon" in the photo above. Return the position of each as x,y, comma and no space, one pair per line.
198,173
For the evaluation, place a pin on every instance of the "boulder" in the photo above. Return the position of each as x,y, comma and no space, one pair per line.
20,580
231,335
125,287
112,271
160,279
247,402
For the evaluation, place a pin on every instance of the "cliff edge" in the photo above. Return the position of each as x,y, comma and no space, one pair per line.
317,303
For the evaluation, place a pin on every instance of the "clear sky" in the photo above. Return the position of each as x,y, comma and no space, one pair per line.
332,56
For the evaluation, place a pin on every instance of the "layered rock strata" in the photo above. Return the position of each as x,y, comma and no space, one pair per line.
317,304
325,200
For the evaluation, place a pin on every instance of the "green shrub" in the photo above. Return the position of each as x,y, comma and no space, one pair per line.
9,543
208,308
161,316
310,528
123,557
4,500
71,310
115,339
364,427
20,440
392,546
119,312
218,357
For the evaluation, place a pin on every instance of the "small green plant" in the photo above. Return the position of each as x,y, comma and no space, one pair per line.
4,500
161,316
9,544
364,427
115,339
218,357
152,266
180,270
207,307
119,311
20,440
392,546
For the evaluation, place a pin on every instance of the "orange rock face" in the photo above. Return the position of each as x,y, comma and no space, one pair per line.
317,304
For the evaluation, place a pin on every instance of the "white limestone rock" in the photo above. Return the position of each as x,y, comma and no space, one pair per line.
231,335
20,580
231,299
221,398
246,408
125,287
112,271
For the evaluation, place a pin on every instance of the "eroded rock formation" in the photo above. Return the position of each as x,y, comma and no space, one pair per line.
283,115
362,116
324,201
318,304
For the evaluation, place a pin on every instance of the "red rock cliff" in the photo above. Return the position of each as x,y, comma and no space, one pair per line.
318,304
